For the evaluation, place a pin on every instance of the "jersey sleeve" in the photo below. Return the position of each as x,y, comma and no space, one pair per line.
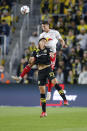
58,36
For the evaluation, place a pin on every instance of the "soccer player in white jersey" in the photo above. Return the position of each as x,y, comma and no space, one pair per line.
52,36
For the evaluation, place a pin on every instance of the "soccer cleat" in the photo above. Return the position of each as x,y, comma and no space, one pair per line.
48,96
43,114
66,103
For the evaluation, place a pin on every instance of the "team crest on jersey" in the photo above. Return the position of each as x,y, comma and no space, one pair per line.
45,51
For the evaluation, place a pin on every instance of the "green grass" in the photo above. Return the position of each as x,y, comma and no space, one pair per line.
28,119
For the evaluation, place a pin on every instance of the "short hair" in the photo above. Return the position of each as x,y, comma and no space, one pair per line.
45,22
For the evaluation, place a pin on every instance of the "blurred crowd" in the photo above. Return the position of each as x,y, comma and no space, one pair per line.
69,17
6,20
6,27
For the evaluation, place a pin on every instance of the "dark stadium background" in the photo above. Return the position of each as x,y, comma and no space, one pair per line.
20,102
19,36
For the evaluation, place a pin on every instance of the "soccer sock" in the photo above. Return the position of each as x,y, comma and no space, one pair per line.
43,102
49,85
25,71
61,92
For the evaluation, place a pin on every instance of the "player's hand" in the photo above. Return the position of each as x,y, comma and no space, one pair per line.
18,79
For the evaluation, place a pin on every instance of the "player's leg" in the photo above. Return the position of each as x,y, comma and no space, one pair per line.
41,84
58,88
28,67
49,84
43,100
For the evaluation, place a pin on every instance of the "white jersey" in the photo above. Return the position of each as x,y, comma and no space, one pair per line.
53,36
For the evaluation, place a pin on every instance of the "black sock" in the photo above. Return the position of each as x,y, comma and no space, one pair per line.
61,92
43,102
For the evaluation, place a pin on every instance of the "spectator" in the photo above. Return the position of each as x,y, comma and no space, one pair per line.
73,27
85,8
84,59
60,26
51,21
82,25
7,17
4,6
60,75
68,6
71,79
76,68
82,38
26,54
32,47
72,56
0,15
35,76
21,66
78,17
85,18
56,9
46,6
34,38
70,39
61,56
83,76
81,5
79,51
5,28
68,19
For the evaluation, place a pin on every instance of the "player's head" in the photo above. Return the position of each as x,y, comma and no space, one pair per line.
45,26
41,43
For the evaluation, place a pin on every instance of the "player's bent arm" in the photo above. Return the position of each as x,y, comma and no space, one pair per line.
63,43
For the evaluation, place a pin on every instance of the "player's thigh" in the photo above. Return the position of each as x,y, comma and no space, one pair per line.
42,77
51,74
42,89
53,61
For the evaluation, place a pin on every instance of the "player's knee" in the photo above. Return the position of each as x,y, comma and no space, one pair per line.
54,81
42,89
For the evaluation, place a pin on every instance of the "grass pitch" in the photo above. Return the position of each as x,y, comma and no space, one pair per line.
28,119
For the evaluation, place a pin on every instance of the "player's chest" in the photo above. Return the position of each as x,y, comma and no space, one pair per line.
42,54
50,35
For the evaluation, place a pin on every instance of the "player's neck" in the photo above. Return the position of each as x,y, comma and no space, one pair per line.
47,30
42,48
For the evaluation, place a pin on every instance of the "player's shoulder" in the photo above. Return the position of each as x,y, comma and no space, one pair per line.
54,31
42,33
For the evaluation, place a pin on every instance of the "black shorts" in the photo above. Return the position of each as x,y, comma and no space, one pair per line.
45,74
